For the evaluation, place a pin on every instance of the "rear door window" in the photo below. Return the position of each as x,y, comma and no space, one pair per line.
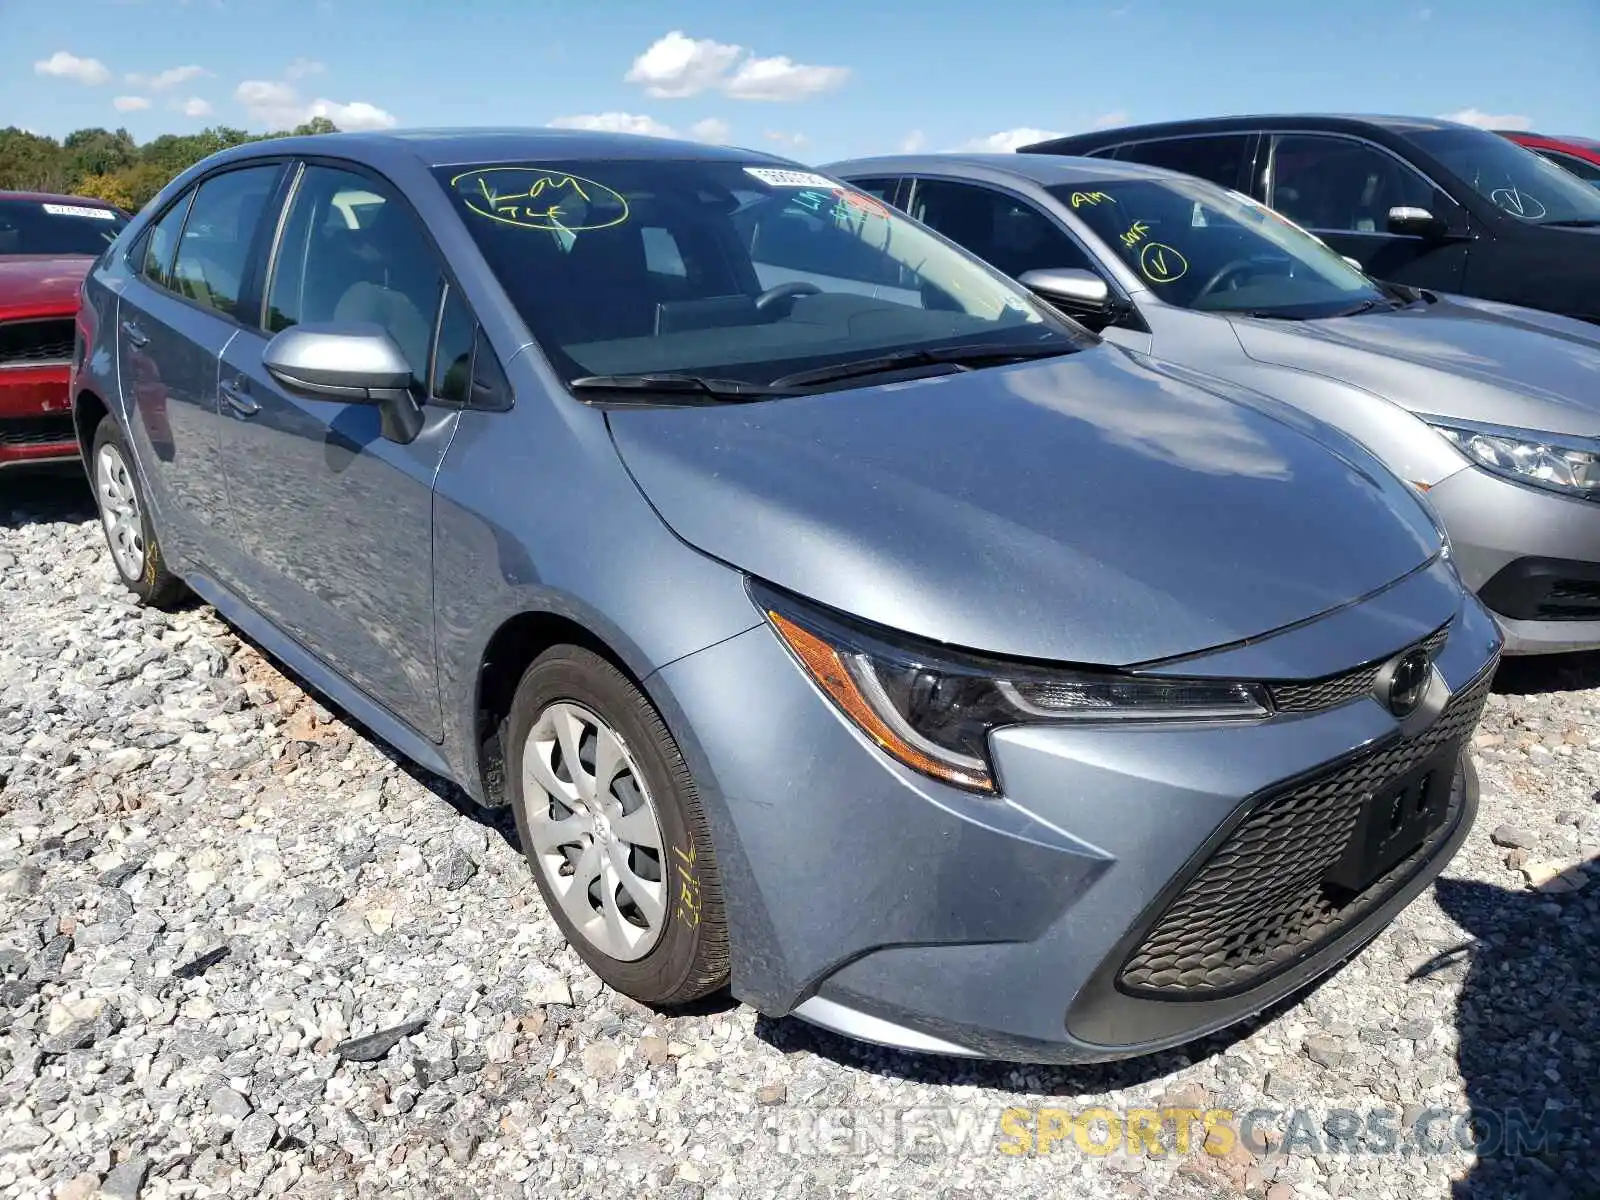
214,251
161,242
1220,158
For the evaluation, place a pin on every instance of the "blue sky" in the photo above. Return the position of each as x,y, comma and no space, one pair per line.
817,79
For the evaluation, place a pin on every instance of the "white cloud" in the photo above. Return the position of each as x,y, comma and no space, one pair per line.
913,142
62,65
277,105
1484,120
130,103
355,116
1008,140
614,122
169,78
712,129
793,140
677,65
194,106
782,79
301,67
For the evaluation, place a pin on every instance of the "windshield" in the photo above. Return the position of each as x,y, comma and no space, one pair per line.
1512,177
718,269
56,227
1204,248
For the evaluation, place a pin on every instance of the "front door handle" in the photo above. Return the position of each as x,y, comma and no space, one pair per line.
238,398
137,338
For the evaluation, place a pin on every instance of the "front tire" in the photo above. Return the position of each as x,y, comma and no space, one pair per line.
614,831
125,517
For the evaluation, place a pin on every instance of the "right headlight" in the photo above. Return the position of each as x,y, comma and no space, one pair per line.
1570,465
933,708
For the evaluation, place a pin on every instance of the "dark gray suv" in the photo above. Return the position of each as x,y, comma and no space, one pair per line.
841,622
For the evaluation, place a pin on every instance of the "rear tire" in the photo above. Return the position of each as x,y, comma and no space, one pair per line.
647,918
125,518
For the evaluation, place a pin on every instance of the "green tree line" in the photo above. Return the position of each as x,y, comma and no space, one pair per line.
111,166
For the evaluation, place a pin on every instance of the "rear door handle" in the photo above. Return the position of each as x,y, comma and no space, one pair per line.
238,399
136,336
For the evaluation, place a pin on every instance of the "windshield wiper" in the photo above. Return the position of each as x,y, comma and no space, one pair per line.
1575,223
961,357
717,389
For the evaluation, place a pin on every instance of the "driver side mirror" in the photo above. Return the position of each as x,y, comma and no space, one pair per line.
348,363
1416,222
1082,294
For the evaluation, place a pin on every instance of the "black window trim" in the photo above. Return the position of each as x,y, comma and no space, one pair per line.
393,194
252,254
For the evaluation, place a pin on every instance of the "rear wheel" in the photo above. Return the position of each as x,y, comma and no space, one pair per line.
135,551
613,828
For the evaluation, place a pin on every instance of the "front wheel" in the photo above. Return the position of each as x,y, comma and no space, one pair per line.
614,830
126,519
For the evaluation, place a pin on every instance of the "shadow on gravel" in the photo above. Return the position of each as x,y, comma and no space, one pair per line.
788,1034
1528,1019
33,495
1536,674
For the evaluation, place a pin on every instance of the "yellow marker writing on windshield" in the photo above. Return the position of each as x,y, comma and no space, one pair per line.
1161,263
570,204
1137,232
1081,198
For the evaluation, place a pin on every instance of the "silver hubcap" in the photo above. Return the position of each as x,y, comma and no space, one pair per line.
119,511
594,829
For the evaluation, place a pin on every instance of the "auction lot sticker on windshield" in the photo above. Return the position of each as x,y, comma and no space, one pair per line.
777,177
80,210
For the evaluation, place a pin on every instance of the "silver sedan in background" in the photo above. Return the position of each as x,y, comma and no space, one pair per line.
1490,410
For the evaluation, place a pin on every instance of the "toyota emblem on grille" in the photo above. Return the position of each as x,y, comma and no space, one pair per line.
1404,682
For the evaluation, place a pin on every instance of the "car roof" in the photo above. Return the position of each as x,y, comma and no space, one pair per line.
60,198
455,147
1347,122
1047,170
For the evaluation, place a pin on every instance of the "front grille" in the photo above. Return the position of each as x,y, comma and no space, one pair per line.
36,343
1335,690
37,431
1259,903
1571,600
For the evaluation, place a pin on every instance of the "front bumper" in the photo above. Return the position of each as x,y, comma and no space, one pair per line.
35,415
881,904
1532,556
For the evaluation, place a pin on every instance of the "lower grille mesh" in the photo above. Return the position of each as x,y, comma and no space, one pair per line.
1258,903
36,343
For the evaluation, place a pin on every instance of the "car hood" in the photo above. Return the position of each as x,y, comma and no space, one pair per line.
1095,508
32,284
1456,358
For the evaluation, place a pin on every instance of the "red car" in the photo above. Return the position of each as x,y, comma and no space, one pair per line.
1580,155
46,246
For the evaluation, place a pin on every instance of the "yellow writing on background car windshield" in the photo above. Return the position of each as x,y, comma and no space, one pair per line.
1081,198
1161,263
534,198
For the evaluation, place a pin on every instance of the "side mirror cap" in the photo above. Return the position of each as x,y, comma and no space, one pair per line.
1071,287
1415,222
348,363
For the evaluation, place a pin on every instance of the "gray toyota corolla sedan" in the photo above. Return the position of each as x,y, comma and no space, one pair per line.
1492,410
841,622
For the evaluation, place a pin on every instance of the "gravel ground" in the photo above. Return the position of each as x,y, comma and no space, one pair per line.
245,951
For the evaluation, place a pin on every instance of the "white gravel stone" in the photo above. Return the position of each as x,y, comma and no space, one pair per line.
166,793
